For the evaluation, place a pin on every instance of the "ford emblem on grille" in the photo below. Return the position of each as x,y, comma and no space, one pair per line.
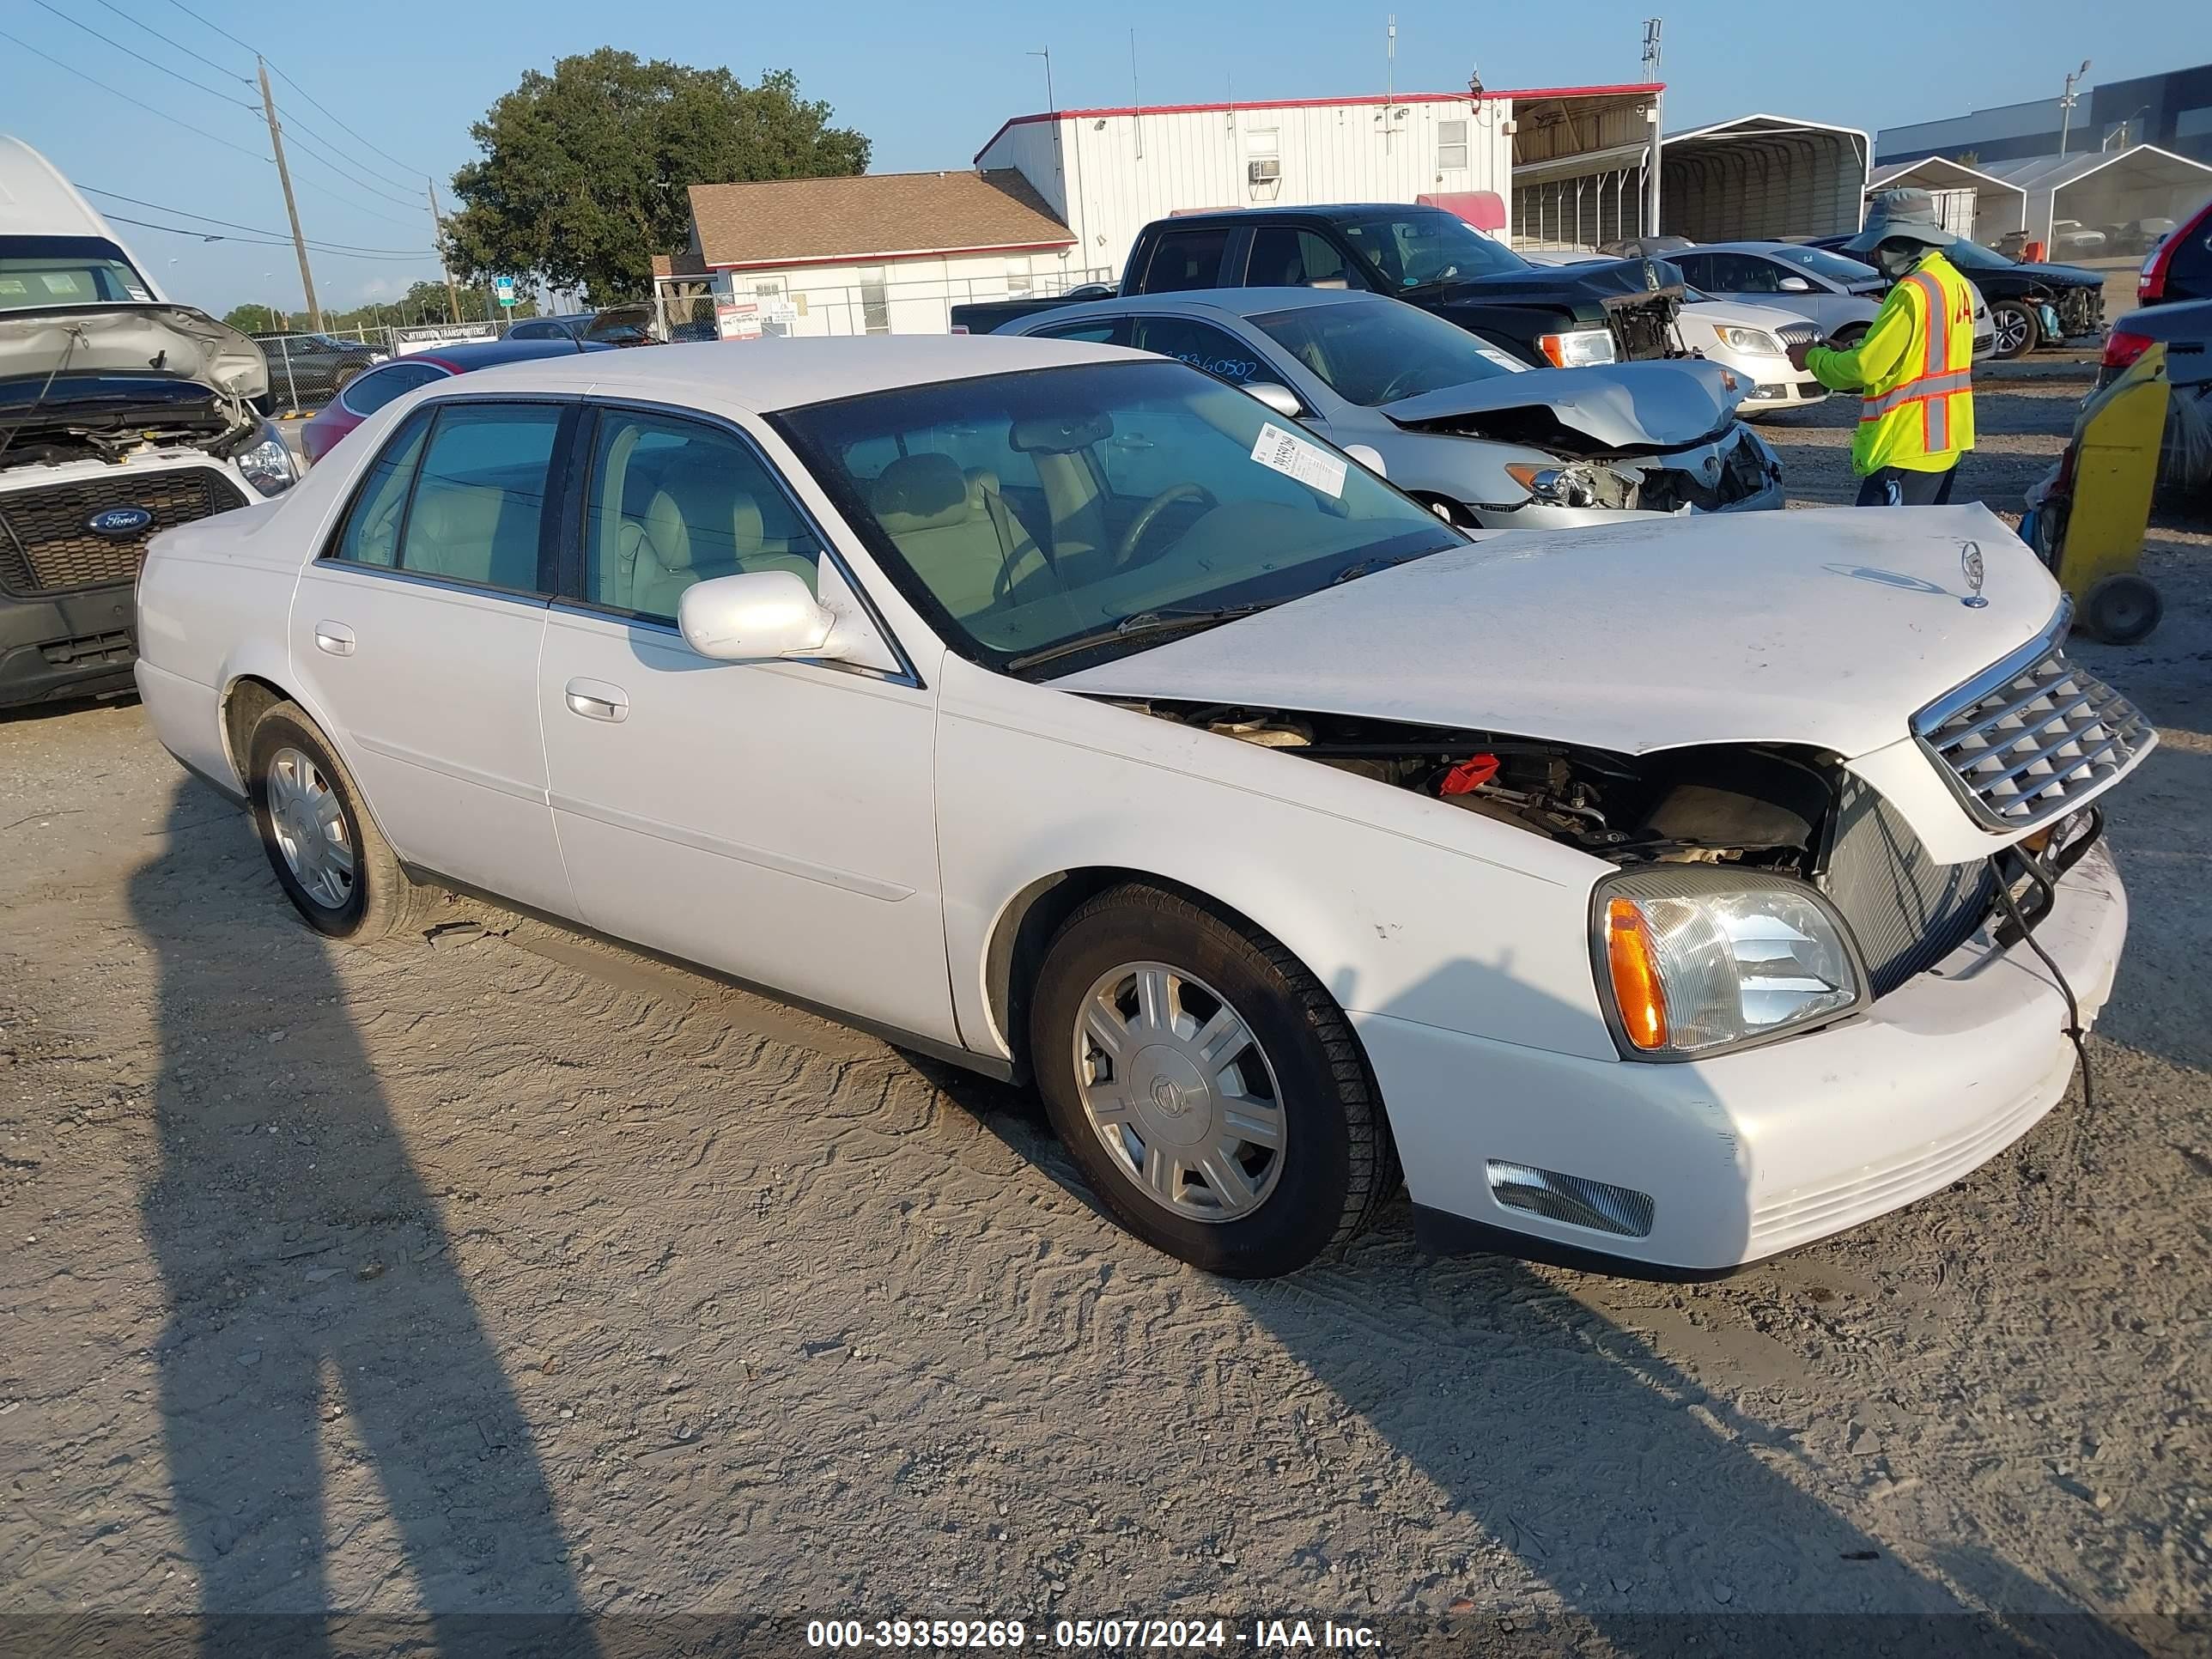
119,523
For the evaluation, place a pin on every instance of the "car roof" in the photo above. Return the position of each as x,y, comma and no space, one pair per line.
762,376
1311,210
482,354
1230,301
1753,246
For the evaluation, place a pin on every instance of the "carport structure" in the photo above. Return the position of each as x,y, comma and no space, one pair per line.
1756,177
2103,187
1997,204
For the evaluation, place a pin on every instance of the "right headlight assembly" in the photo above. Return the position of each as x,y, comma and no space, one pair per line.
1693,960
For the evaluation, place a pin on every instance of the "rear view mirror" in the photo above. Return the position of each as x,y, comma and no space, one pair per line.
754,616
1281,398
1795,285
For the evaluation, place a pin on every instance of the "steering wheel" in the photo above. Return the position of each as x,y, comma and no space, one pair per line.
1390,393
1124,551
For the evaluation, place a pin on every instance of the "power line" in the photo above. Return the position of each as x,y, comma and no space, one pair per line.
213,92
257,230
128,98
347,201
266,241
177,45
403,166
296,126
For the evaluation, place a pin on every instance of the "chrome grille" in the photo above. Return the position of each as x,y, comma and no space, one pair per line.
1799,334
2028,741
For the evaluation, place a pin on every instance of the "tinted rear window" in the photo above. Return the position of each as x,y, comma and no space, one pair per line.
1186,259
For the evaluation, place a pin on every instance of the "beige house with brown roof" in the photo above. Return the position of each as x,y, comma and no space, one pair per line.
874,253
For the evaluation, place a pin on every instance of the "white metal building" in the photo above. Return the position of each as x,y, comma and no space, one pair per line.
1753,178
2104,187
1969,201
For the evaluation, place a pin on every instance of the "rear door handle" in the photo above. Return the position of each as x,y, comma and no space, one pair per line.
335,638
595,700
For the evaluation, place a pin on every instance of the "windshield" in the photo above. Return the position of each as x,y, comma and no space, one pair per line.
67,270
1835,267
1375,352
1100,503
1411,249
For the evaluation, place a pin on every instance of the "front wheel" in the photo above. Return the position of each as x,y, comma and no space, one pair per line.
2016,327
1207,1085
328,855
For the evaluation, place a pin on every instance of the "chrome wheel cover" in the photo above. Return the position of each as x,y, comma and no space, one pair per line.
1179,1092
310,829
2012,326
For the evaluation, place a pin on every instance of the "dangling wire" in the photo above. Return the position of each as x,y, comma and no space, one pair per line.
2073,1008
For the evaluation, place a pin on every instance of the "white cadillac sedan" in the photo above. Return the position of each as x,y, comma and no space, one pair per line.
1660,895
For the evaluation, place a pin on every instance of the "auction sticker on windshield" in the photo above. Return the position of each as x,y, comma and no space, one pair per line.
1293,456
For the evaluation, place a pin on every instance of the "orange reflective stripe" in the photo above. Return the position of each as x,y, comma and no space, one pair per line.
1935,355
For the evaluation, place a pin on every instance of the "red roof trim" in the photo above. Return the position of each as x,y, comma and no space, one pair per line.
877,258
1320,103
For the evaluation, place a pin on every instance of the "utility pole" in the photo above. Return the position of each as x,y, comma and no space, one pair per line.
1653,116
291,207
2066,103
438,232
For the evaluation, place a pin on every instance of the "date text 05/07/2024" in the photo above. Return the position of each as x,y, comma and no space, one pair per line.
1110,1635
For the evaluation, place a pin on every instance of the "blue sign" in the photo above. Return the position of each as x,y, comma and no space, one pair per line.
502,289
119,523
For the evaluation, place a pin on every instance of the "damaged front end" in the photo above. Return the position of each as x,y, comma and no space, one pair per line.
1763,809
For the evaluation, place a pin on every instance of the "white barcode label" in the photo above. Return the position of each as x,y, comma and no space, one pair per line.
1294,457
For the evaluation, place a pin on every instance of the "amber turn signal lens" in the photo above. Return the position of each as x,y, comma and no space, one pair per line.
1634,957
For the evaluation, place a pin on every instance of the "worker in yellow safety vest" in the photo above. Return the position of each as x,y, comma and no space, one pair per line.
1913,366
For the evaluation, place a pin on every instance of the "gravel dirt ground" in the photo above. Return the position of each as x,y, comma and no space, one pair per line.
506,1271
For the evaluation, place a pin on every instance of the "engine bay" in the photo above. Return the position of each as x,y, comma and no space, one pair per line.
1764,807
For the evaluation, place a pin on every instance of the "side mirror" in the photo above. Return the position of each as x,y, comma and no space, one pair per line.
754,616
1795,285
1369,458
1281,398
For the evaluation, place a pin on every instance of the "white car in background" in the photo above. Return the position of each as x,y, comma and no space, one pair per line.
1065,713
1754,341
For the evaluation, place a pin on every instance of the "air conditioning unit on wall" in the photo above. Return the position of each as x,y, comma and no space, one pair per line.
1265,171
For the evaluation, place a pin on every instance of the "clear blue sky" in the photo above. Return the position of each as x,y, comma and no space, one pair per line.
928,83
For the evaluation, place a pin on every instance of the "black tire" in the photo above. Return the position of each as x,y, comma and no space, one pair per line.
2121,609
2018,328
1337,1164
382,898
1848,336
346,375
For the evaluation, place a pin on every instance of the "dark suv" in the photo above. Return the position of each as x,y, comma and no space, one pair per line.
1551,316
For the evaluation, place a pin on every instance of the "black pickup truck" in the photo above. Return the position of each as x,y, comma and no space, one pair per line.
1560,317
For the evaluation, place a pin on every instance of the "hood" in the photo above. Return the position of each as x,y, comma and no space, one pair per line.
2062,276
172,341
1823,629
1729,313
1615,406
1606,282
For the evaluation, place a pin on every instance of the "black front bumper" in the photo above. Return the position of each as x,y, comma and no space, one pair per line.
72,645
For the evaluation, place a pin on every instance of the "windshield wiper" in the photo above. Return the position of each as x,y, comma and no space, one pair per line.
1144,622
1359,567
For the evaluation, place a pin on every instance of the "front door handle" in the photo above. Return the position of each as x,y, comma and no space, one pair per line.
595,700
335,638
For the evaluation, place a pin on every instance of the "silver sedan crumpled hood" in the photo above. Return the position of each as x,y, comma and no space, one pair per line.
174,341
1827,629
1645,406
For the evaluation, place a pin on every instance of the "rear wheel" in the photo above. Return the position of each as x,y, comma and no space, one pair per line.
2017,329
1848,336
329,857
1208,1087
2121,609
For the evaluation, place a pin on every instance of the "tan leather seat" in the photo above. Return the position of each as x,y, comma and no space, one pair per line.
472,533
700,525
942,521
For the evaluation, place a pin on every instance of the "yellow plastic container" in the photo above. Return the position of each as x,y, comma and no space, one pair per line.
2115,450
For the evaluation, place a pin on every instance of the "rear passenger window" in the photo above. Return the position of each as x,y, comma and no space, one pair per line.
373,390
372,529
673,502
1095,330
1186,259
1200,344
481,495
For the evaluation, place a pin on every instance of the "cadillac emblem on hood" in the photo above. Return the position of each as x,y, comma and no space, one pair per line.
118,523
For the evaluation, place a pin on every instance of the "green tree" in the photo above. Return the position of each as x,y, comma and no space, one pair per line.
585,170
251,320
